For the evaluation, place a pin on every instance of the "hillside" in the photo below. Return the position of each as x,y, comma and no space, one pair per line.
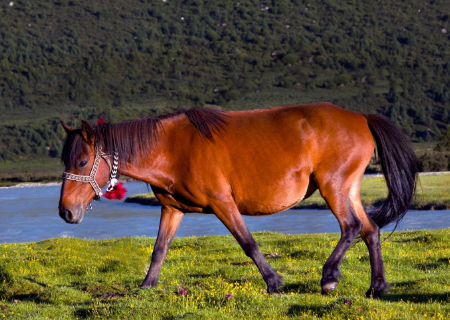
118,60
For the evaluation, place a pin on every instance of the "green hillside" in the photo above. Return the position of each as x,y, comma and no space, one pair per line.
118,60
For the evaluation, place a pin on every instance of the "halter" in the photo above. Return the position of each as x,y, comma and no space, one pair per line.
91,177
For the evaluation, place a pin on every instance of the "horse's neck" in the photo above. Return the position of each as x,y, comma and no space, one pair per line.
154,168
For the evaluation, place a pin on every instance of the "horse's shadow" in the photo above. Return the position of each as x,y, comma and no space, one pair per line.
318,310
308,287
433,265
417,297
300,287
33,297
323,309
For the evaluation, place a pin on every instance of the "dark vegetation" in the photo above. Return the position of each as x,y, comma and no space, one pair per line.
120,60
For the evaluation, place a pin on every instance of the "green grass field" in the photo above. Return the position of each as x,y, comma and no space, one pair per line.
432,193
71,278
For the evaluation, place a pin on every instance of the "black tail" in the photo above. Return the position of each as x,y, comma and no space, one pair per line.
400,167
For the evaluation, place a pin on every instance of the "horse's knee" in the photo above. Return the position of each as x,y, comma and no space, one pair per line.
371,236
351,230
355,225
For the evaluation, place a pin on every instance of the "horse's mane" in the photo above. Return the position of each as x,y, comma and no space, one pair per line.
135,138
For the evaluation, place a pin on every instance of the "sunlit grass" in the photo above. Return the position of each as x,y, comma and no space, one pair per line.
65,278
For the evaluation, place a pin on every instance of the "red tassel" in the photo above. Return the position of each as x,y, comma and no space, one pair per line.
118,192
100,121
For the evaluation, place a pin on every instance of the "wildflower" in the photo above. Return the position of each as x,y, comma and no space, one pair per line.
228,296
347,302
181,291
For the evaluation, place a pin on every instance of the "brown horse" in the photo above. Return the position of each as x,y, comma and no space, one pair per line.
248,163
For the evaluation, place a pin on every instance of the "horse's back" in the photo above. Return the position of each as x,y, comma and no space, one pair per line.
296,136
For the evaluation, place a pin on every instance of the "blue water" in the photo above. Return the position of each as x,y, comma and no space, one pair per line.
31,214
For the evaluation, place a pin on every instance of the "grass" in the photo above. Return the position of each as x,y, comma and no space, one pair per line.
30,170
71,278
432,193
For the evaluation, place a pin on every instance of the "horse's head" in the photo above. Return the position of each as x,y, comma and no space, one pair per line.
85,172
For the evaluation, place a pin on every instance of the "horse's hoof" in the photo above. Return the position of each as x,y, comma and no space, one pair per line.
374,293
329,287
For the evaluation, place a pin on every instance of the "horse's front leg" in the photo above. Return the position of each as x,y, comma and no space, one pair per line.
170,220
230,216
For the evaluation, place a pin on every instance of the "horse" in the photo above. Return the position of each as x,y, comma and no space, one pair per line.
257,162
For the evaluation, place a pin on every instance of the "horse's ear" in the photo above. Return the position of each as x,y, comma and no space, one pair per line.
87,132
66,127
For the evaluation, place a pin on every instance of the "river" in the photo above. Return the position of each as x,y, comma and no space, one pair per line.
31,214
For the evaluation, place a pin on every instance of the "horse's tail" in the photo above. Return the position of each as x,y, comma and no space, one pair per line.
400,168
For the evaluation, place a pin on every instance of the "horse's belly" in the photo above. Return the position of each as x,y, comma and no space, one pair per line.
266,204
261,209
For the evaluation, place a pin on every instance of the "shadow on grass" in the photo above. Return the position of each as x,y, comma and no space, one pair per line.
308,254
44,285
433,265
423,239
87,310
32,297
417,297
317,310
188,315
200,276
112,265
35,297
5,278
322,310
310,286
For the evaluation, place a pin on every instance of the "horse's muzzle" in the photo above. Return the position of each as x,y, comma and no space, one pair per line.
71,216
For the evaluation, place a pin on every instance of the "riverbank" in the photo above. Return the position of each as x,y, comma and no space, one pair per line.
433,193
30,184
72,278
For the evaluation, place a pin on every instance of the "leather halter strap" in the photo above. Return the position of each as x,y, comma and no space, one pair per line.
91,177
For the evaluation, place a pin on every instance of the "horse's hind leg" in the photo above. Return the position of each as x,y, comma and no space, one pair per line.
228,213
350,224
371,235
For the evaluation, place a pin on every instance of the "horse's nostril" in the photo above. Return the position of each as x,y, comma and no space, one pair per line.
68,215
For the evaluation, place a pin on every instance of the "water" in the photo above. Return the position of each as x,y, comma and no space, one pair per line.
31,214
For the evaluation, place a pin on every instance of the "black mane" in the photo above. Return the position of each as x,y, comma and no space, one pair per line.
134,139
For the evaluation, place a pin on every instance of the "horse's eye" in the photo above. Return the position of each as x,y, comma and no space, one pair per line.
82,164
